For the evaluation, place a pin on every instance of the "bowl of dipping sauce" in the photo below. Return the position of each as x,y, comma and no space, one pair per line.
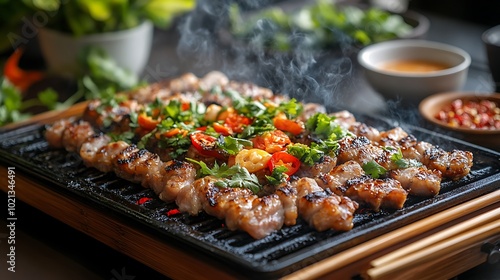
410,70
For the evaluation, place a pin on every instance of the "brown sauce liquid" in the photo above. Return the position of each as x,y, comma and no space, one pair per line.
416,66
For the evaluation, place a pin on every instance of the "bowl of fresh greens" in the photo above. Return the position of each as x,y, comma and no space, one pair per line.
319,25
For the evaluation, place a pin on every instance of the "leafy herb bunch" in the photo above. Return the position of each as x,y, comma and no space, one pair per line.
82,17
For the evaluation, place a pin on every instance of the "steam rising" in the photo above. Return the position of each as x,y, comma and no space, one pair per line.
307,75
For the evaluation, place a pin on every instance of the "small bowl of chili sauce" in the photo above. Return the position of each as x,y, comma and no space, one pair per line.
473,113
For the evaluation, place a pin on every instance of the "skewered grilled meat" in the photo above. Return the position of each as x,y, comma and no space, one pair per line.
322,209
325,192
378,193
418,181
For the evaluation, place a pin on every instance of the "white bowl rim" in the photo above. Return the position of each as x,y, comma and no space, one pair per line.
405,43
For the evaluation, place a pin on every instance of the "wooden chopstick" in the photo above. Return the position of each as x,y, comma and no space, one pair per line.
50,116
438,237
398,266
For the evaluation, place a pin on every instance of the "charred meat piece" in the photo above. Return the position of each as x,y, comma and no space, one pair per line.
324,166
322,209
263,216
288,196
336,179
241,209
377,193
110,118
453,165
362,129
418,181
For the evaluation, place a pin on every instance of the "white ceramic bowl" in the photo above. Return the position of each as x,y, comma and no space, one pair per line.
414,86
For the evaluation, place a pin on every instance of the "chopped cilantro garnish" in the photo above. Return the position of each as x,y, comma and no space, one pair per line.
126,136
306,154
232,145
278,175
291,108
258,127
325,127
179,143
374,169
399,160
232,177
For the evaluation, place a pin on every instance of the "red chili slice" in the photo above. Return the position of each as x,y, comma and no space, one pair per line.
288,125
146,122
222,129
173,212
237,122
284,159
205,144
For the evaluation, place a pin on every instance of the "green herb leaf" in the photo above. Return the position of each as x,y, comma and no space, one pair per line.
399,160
291,108
374,169
258,127
325,127
10,104
49,98
278,175
233,177
306,154
126,136
233,145
243,179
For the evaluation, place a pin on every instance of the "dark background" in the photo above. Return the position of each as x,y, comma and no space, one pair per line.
485,12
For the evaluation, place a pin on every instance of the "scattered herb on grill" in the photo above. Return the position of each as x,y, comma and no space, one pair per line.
325,127
399,160
233,145
374,169
278,175
306,154
231,177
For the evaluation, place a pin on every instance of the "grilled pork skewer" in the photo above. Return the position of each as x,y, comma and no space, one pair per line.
125,160
174,180
452,165
241,209
349,179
